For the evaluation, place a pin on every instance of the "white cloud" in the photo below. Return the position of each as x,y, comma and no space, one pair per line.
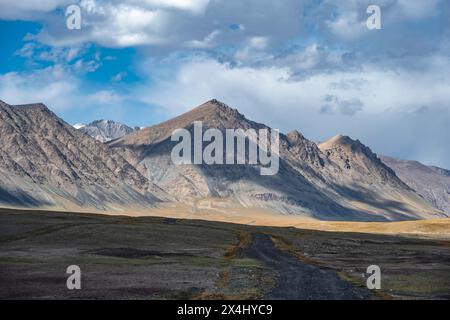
125,25
169,23
253,51
104,97
28,9
348,25
258,43
84,66
309,58
190,23
334,105
207,41
119,76
36,52
52,86
195,6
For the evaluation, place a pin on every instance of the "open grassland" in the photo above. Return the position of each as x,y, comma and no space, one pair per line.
123,257
215,210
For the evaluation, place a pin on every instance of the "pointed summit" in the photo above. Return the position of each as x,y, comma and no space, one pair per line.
212,109
28,106
213,104
345,142
45,158
212,114
105,130
294,137
218,103
310,182
32,106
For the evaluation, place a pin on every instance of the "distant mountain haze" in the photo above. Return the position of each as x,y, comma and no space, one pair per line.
430,182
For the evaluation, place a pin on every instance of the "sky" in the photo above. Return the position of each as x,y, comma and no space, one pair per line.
310,65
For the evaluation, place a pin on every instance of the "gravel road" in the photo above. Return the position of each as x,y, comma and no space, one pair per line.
297,280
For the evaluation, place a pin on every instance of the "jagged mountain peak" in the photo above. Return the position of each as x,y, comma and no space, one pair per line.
53,164
345,145
295,137
105,130
218,104
101,121
332,183
28,106
212,114
339,140
79,125
34,112
106,122
211,111
32,106
59,161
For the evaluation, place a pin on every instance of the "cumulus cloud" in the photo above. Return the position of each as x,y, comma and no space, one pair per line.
165,23
53,86
57,87
206,42
334,105
195,6
29,9
348,25
104,97
195,23
79,59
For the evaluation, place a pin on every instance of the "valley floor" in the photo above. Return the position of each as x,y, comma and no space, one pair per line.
123,257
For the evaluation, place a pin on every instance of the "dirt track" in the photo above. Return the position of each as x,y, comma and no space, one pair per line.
297,280
159,258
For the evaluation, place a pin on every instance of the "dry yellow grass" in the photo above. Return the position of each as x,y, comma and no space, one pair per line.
422,228
217,210
244,239
439,228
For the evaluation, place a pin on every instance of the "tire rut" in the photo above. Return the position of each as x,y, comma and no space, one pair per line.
296,280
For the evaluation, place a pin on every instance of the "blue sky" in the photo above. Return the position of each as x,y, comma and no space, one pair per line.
310,65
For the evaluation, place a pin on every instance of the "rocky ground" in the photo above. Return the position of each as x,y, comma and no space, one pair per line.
163,258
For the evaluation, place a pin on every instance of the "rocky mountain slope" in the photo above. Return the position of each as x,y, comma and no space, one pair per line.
340,179
105,130
46,162
430,182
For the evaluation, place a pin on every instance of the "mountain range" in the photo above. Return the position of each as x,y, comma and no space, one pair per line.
430,182
45,162
105,130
